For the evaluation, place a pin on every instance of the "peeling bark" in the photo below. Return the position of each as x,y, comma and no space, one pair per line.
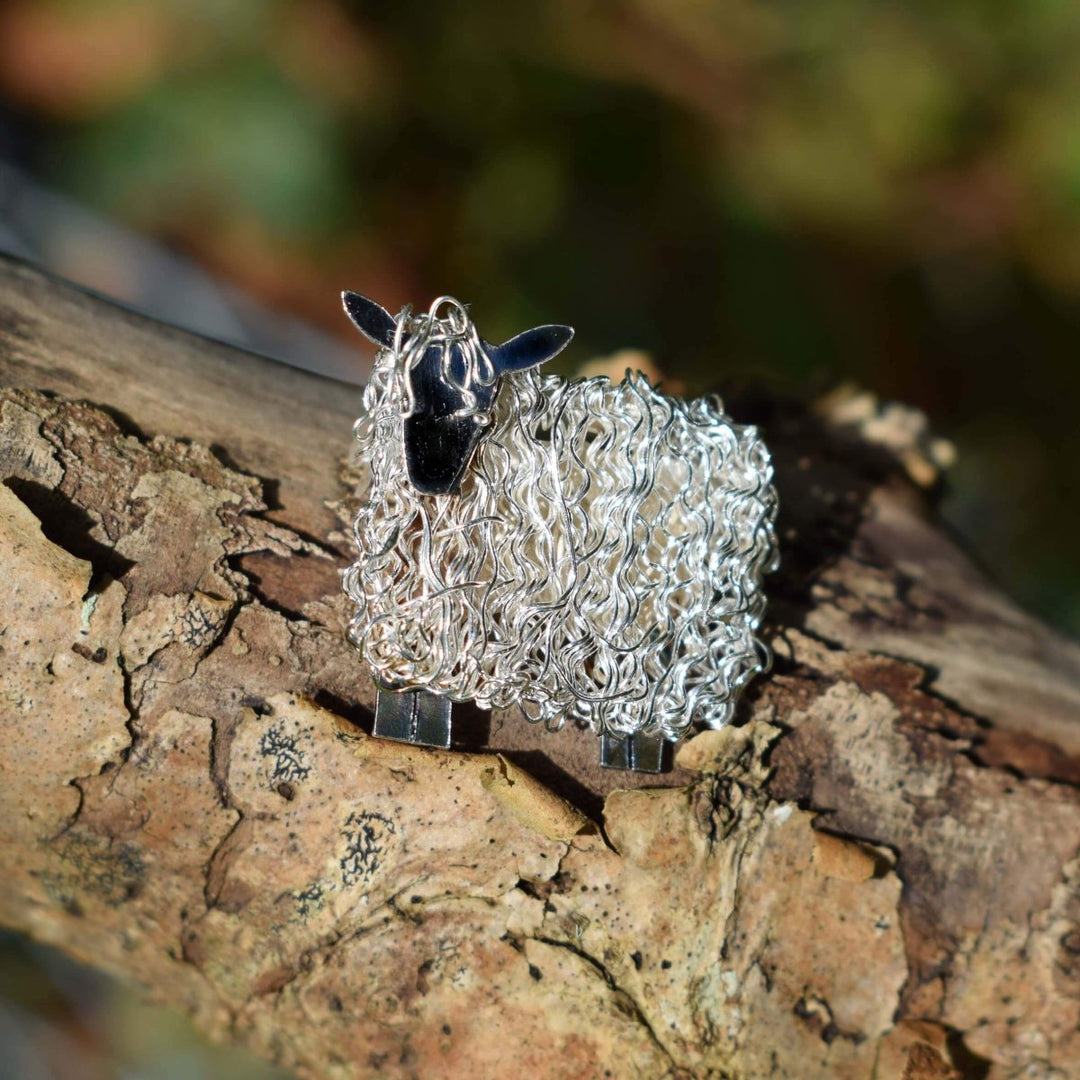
876,874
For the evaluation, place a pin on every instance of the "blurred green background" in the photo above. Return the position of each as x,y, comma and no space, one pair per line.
800,193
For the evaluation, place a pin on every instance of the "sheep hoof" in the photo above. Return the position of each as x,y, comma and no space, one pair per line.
638,752
413,716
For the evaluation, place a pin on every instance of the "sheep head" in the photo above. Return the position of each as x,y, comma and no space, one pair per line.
449,378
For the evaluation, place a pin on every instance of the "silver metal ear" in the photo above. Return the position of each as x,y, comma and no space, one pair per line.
531,348
370,318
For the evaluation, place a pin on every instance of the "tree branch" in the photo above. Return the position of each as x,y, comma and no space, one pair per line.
875,874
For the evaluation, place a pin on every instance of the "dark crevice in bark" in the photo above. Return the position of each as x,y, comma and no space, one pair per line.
68,525
270,487
357,715
930,674
971,1065
634,1009
267,601
121,419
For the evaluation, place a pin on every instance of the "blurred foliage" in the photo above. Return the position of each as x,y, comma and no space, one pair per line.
795,192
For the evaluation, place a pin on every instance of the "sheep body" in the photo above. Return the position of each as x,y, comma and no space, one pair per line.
601,564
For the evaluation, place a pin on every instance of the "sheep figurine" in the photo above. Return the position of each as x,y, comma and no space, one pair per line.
590,551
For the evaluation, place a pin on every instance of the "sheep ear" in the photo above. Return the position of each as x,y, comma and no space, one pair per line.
371,319
530,348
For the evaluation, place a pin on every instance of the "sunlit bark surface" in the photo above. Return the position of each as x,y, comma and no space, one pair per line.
875,874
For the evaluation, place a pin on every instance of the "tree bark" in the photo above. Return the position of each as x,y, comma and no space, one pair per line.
875,874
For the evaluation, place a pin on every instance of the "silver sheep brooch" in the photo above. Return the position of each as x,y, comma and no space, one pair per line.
591,552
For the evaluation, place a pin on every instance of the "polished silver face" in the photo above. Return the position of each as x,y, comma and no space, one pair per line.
446,376
601,561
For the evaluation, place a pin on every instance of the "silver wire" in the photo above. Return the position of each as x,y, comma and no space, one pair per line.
602,564
415,334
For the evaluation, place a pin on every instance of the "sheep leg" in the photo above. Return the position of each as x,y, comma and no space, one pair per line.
413,716
638,752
